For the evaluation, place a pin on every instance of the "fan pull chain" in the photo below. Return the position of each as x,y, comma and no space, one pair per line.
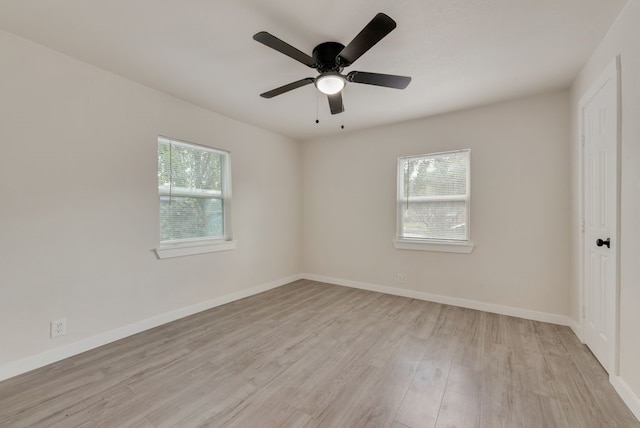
317,102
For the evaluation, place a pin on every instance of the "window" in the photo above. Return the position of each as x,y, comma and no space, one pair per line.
194,190
433,202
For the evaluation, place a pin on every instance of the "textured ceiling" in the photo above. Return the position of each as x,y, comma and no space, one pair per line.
460,53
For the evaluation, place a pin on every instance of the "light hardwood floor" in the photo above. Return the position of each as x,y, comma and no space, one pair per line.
310,354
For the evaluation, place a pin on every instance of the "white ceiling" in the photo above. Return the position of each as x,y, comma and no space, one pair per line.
460,53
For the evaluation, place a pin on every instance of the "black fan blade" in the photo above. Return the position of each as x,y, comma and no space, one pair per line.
275,43
286,88
386,80
335,103
372,33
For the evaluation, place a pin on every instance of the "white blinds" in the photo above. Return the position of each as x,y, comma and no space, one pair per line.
191,187
433,196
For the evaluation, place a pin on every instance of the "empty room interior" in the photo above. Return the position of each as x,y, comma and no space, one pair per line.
278,213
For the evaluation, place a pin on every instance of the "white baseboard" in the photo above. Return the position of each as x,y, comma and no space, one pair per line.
628,396
27,364
453,301
577,329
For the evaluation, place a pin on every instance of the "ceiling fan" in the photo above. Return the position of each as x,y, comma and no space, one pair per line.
330,58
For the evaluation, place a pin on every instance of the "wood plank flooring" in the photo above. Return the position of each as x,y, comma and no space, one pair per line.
317,355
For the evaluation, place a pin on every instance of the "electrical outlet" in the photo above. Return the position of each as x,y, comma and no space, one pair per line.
400,278
59,327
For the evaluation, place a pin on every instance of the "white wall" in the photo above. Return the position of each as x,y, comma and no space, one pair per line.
79,205
624,39
519,209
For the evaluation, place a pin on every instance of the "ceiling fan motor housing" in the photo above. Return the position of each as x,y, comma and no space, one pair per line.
326,55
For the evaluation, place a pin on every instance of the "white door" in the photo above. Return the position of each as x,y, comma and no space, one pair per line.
600,147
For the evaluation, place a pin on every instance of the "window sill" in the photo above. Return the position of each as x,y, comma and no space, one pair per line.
190,248
441,246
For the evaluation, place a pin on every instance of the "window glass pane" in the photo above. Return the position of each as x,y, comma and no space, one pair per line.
189,167
444,174
433,196
189,218
435,220
191,188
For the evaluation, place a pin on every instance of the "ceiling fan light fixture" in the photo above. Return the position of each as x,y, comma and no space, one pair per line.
330,83
330,58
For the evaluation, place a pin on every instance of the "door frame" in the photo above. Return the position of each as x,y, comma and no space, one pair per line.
611,73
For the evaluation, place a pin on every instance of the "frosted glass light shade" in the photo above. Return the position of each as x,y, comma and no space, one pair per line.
330,83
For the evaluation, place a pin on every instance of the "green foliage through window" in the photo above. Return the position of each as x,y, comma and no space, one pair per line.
191,187
433,196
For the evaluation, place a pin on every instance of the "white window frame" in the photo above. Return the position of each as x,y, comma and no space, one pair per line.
428,244
186,247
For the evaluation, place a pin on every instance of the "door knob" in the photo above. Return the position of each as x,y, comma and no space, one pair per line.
600,242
